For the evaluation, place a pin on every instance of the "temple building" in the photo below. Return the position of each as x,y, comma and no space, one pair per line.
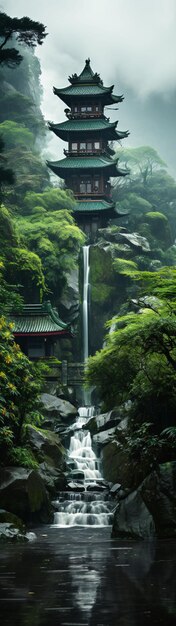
39,330
88,164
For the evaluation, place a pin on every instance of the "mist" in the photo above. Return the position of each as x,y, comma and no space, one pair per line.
131,44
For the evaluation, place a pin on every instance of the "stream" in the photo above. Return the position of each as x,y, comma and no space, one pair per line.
81,577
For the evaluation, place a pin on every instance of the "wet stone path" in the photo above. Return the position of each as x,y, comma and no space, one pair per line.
81,577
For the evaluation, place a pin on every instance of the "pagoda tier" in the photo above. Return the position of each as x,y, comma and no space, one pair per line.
89,161
72,129
85,164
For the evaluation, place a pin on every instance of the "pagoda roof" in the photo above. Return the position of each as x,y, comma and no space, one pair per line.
97,206
65,129
89,206
88,84
39,320
86,163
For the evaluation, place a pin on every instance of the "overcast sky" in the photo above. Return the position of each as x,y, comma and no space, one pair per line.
131,43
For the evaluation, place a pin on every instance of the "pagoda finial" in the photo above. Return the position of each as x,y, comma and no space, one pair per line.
87,62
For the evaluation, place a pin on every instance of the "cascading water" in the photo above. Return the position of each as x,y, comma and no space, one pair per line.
86,302
88,503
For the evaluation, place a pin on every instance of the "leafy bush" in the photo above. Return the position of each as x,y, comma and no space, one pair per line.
21,383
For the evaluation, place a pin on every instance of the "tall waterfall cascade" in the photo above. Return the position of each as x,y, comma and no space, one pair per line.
86,270
88,502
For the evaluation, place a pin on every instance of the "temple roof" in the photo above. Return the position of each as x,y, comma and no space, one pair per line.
39,320
86,163
88,84
89,206
65,129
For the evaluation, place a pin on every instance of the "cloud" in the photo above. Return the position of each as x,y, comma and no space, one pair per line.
132,44
129,41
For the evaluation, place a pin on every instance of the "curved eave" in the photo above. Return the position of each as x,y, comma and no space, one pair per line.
42,333
68,94
108,132
63,168
92,206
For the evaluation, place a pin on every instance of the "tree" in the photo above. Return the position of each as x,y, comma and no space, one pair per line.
138,361
19,398
25,31
29,170
54,237
6,173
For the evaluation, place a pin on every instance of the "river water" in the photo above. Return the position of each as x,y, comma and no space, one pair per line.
81,577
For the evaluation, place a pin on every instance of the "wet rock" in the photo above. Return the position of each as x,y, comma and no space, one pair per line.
53,478
23,492
116,464
158,491
115,489
96,486
103,421
132,518
151,509
9,533
72,486
104,437
77,474
7,517
136,240
57,409
69,300
46,446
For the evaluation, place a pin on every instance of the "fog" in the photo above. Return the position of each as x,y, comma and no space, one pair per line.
131,43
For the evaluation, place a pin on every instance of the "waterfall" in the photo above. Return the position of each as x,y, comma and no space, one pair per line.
87,501
86,269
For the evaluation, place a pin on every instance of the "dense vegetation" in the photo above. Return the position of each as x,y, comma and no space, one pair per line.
138,361
39,240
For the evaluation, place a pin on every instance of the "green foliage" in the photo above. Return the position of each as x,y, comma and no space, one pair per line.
26,31
16,135
19,398
123,265
52,199
23,156
23,456
138,363
147,449
56,239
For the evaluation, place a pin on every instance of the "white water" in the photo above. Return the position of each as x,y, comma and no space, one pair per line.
89,507
86,270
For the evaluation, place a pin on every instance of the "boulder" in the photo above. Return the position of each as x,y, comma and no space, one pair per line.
57,409
69,300
75,486
150,510
102,438
53,478
10,518
46,446
132,518
116,464
136,240
103,421
22,492
158,491
9,533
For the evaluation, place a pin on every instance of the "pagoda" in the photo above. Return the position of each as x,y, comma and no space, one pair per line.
38,328
88,164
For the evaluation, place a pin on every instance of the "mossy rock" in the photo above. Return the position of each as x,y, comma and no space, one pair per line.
23,493
159,226
11,518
